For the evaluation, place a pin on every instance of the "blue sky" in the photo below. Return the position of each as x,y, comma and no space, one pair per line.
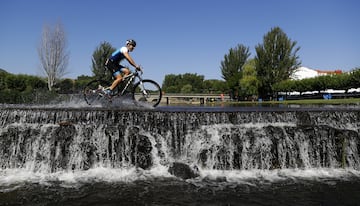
177,37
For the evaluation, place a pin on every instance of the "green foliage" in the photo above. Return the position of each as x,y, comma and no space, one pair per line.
194,80
10,96
232,65
34,82
65,86
2,71
249,83
40,96
175,83
21,82
287,86
192,83
214,86
234,61
81,82
171,84
172,89
3,80
355,78
15,82
187,88
19,89
101,53
276,59
302,85
342,81
321,83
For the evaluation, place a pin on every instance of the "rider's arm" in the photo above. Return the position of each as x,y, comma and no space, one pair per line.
130,60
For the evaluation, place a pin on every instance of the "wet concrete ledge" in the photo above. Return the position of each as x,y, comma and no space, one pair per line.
216,109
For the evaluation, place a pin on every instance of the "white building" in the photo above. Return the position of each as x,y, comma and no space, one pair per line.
303,73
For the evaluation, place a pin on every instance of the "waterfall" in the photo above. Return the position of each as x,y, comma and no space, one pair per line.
51,139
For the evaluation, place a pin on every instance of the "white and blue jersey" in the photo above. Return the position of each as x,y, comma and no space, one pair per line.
115,59
118,55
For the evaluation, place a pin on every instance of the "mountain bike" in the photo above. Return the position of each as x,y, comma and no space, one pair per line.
142,90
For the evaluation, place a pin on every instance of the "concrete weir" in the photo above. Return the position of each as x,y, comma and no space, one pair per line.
56,139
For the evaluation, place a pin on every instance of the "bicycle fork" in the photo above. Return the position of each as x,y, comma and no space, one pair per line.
143,90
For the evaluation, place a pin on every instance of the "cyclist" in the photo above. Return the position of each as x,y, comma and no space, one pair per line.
113,64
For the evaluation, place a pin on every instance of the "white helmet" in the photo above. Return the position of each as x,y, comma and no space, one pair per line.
131,41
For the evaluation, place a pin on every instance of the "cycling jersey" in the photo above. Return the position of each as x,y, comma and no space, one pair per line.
118,55
114,61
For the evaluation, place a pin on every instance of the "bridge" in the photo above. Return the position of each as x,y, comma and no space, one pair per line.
193,98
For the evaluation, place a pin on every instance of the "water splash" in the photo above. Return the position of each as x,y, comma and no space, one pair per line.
78,102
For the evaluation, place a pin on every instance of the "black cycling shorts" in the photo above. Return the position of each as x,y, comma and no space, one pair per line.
112,66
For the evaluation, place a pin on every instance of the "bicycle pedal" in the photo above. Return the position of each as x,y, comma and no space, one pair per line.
108,96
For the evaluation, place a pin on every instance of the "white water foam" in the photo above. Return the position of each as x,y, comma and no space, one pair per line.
123,102
273,176
11,179
14,178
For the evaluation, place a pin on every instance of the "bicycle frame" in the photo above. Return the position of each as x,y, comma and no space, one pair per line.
129,80
142,90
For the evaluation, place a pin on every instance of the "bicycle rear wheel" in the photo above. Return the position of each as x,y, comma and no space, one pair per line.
92,91
147,91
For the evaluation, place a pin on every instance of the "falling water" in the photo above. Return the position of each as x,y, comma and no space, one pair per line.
234,154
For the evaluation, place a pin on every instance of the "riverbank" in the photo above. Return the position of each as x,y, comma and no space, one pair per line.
303,102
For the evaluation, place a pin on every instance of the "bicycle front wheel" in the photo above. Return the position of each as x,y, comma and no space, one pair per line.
92,91
147,91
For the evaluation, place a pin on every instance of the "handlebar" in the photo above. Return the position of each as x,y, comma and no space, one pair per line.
137,73
140,69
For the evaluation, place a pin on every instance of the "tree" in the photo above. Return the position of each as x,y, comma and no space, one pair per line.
187,88
276,60
35,82
16,89
355,78
322,83
249,83
341,81
195,80
101,53
175,83
81,82
231,66
16,82
52,52
214,86
171,83
65,86
303,85
3,75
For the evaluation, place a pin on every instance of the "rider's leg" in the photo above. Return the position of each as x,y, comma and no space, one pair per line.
118,77
125,71
117,80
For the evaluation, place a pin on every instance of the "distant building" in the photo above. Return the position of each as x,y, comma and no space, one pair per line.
304,72
320,72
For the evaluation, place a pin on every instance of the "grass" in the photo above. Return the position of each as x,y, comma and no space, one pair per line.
325,101
348,101
318,102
